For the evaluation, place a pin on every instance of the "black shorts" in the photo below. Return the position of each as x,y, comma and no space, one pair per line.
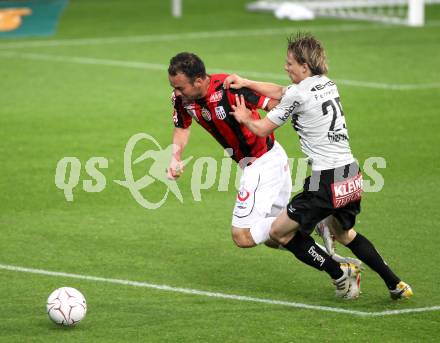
334,192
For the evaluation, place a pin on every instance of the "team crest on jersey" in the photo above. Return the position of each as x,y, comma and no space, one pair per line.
206,114
191,110
216,97
220,112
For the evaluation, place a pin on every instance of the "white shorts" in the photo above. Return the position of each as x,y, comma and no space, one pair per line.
265,188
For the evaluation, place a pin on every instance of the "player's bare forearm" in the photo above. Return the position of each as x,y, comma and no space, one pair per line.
268,89
259,127
271,104
180,140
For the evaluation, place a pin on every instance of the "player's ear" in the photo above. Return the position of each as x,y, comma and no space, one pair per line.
198,82
306,68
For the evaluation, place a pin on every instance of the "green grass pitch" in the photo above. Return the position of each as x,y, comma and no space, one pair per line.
88,99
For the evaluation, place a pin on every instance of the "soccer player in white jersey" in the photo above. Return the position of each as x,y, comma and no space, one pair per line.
333,190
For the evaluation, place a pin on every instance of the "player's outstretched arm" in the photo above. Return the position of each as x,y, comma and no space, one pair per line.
180,140
261,127
268,89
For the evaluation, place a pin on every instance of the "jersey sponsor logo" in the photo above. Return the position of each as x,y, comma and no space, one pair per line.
206,114
220,112
316,256
347,191
216,97
289,111
335,137
320,86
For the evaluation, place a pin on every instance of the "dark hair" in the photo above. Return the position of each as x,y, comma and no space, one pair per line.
188,64
307,49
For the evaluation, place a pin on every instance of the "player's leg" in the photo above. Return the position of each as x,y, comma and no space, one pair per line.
364,249
283,228
345,276
323,230
286,232
342,236
242,237
250,224
256,234
252,219
283,197
245,213
296,238
248,234
265,189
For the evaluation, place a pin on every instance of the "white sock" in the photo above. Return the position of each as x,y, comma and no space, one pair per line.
260,230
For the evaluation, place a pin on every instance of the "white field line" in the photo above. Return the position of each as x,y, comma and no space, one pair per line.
217,295
163,67
200,35
186,36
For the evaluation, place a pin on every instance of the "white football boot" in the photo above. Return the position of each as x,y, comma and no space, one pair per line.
348,286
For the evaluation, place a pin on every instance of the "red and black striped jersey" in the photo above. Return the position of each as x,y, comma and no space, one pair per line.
212,112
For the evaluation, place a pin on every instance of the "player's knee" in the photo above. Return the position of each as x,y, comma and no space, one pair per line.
275,236
278,234
283,229
281,239
344,236
270,243
242,238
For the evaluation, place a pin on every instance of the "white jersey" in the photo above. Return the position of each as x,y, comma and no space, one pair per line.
316,114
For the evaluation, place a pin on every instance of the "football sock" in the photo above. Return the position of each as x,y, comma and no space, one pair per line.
365,251
260,230
305,249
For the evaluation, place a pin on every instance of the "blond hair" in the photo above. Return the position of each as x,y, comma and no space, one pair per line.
307,49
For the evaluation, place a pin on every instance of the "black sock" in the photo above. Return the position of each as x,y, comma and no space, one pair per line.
365,251
305,249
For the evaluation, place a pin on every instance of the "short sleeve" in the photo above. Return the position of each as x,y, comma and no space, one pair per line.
288,105
253,99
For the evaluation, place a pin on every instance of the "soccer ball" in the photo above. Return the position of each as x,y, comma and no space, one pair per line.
66,306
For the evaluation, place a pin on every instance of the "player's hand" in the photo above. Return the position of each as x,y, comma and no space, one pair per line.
241,112
175,169
234,81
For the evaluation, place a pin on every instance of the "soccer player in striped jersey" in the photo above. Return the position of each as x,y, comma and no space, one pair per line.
265,185
333,191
